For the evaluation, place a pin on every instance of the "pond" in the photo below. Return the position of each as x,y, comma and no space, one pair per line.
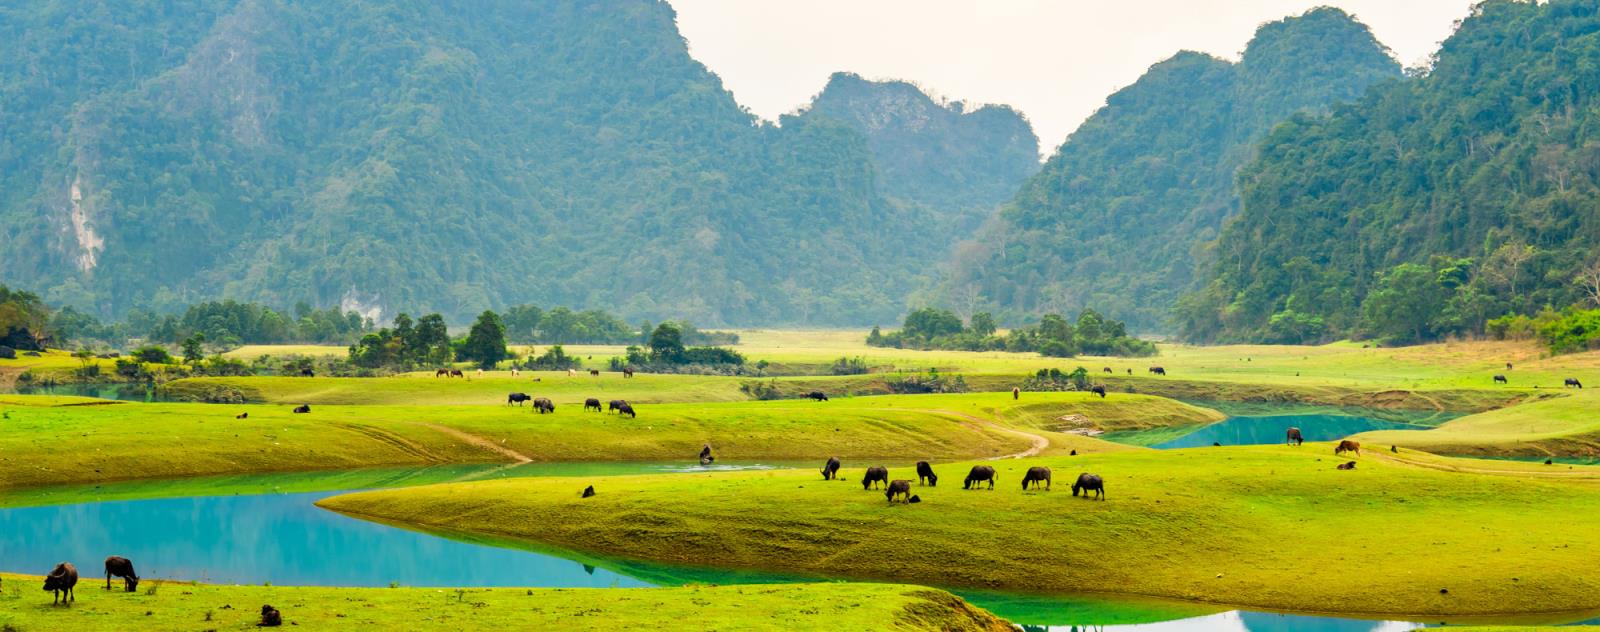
284,539
1258,430
138,392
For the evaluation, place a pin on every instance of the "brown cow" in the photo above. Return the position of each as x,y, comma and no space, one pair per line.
1016,392
1294,436
899,488
627,371
1348,446
594,373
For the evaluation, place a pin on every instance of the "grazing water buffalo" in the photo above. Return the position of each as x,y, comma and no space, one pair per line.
1016,392
627,371
588,491
705,455
1036,474
591,403
439,372
1348,446
899,488
242,416
1107,369
830,470
1099,389
1348,465
875,474
1089,483
594,373
270,617
1158,370
543,405
1500,379
1508,366
818,395
925,475
1294,437
517,398
307,373
627,409
616,404
121,567
60,582
1573,382
1130,371
303,408
979,474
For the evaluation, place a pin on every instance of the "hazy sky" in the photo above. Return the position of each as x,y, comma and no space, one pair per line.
1055,60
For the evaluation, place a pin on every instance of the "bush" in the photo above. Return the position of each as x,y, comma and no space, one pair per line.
555,359
7,353
152,354
849,366
1577,330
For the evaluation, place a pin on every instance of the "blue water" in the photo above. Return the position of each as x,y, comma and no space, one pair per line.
1268,429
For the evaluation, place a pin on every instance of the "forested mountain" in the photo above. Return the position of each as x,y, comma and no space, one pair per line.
457,157
1115,216
961,163
1433,203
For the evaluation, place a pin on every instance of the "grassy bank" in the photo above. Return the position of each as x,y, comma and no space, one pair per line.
112,441
1269,527
183,606
1564,426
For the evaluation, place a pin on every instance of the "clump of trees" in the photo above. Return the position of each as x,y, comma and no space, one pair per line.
1092,334
406,345
667,353
24,320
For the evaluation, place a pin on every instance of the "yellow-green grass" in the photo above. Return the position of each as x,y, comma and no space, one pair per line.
418,389
251,352
1270,527
51,364
60,440
1563,426
186,606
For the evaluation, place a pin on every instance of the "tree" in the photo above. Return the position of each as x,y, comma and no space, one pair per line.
666,343
1404,304
194,348
486,341
982,323
432,344
1588,280
931,322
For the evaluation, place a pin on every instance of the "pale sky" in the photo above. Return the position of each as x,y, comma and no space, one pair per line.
1054,60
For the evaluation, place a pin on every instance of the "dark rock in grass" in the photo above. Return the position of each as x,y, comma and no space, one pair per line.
915,499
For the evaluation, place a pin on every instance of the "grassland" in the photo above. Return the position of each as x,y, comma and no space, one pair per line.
423,389
1565,426
1268,527
184,606
113,441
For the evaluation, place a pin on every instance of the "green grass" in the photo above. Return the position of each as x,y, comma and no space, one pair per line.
419,389
1269,527
121,441
185,606
1565,426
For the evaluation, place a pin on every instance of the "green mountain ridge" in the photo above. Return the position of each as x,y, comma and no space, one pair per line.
1115,218
456,157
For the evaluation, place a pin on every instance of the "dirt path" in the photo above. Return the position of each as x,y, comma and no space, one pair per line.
1587,474
1039,442
478,441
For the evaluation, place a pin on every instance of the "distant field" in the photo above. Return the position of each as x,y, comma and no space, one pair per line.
251,352
1273,527
186,606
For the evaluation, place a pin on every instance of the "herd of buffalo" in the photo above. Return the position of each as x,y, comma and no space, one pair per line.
64,577
976,477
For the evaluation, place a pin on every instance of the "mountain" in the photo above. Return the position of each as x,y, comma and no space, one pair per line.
1114,218
1431,205
389,155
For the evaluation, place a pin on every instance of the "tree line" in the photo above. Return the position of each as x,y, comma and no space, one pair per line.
1091,334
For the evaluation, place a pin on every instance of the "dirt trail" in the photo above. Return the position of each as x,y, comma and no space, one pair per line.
1586,474
1039,442
478,441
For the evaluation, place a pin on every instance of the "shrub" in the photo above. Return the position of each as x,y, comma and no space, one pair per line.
1576,330
849,366
7,353
152,354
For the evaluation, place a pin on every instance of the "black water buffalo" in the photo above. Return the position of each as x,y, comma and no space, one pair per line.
591,403
1508,366
615,405
1158,370
1016,392
588,491
1107,369
705,455
1294,437
1572,382
307,373
1347,446
818,395
270,617
1500,379
875,474
627,409
453,373
1099,389
899,488
979,474
517,398
594,373
1089,483
1036,474
303,408
627,371
1348,465
925,475
60,582
121,567
830,470
543,405
242,416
